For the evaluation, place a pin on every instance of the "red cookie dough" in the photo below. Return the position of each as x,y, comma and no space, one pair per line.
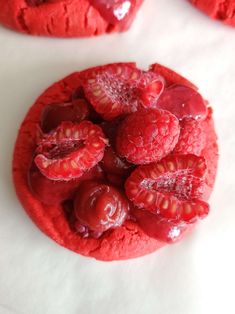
64,18
124,242
223,10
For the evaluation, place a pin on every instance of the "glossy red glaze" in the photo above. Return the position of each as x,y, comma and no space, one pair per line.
100,207
183,102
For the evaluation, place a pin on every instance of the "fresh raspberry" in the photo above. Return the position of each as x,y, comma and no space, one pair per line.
170,76
159,228
172,188
115,11
100,207
70,150
183,102
51,192
150,92
113,164
53,115
192,138
147,136
118,89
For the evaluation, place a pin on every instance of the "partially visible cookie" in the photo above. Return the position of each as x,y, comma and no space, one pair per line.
73,18
220,10
114,162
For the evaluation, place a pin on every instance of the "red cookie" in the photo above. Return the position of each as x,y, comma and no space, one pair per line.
217,9
62,18
105,211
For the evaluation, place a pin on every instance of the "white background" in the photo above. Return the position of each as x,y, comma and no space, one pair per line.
195,276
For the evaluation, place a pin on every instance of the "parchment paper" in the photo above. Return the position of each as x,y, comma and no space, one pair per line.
195,276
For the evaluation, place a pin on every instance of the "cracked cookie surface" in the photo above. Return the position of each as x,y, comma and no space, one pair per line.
223,10
62,18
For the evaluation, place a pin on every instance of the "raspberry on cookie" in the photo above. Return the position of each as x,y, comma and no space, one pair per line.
114,162
147,136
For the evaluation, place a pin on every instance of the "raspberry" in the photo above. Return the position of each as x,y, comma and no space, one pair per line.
170,76
118,89
114,11
171,188
192,138
147,136
150,92
184,102
100,207
51,192
70,150
53,115
159,228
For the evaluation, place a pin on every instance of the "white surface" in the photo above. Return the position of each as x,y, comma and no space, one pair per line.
195,276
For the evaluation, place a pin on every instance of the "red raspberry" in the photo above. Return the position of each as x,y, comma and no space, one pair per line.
150,92
170,76
183,101
147,136
51,192
53,115
118,89
192,138
159,228
100,207
70,150
171,188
